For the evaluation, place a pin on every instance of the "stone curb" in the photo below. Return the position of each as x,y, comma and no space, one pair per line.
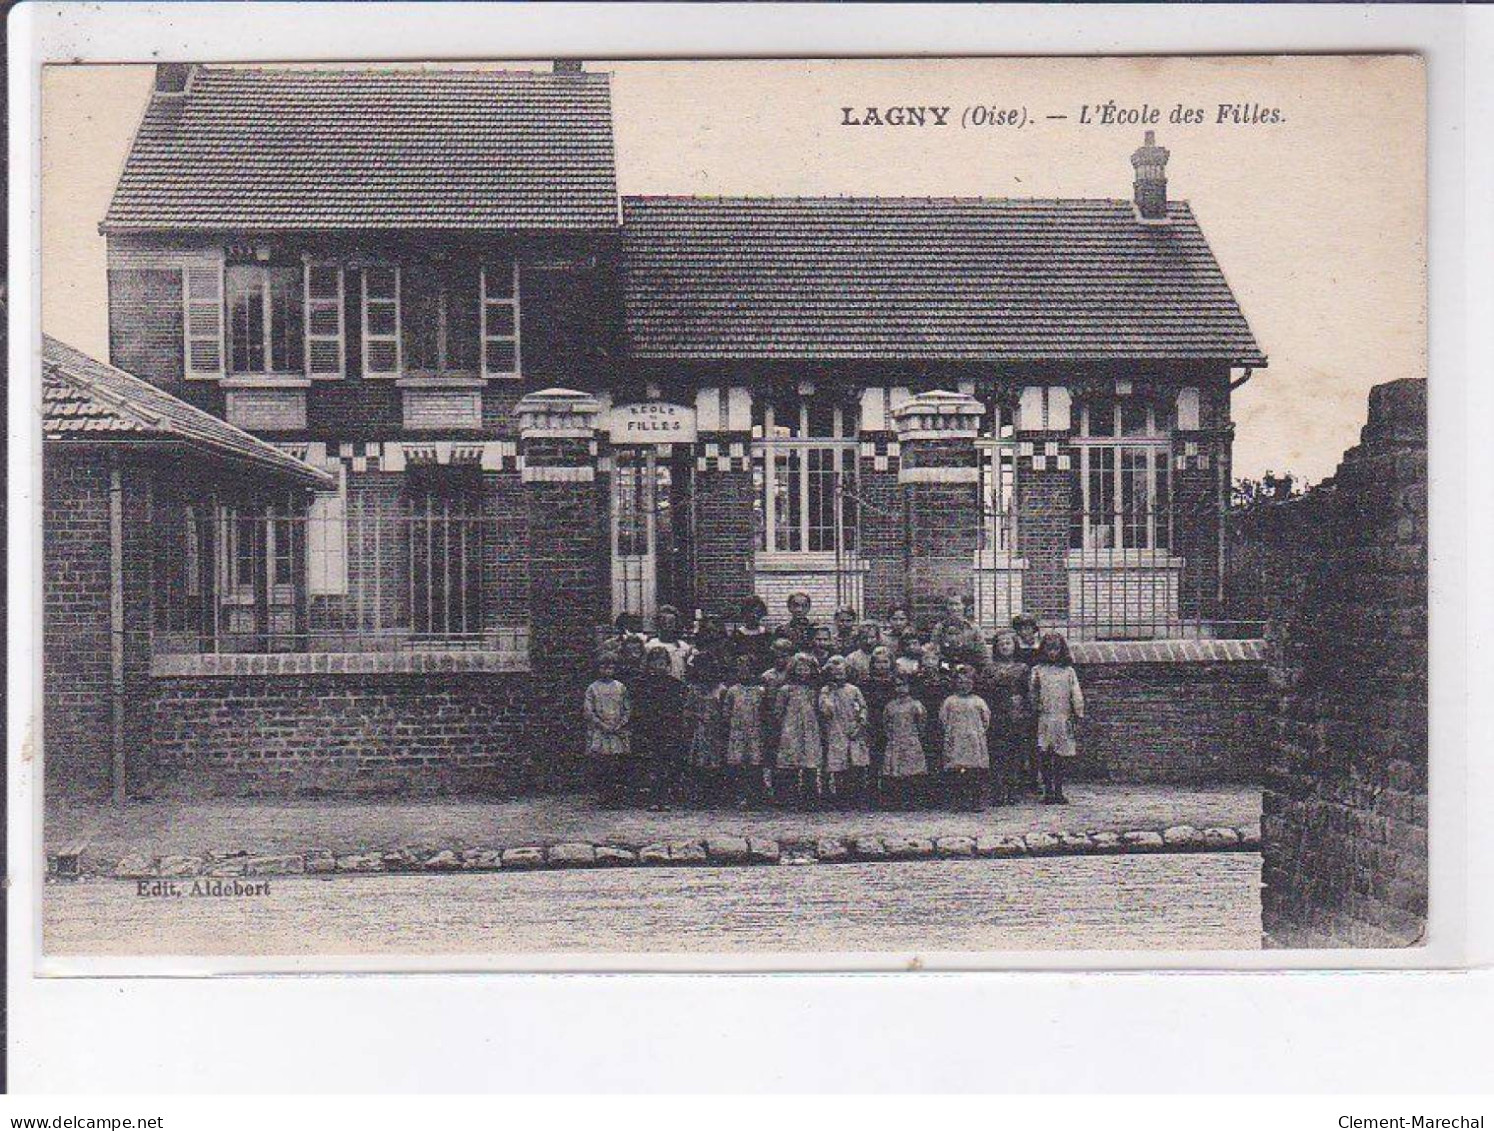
720,851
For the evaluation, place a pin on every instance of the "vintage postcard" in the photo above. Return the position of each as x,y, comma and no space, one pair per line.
531,511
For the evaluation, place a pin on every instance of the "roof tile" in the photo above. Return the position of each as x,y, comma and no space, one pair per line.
253,148
980,279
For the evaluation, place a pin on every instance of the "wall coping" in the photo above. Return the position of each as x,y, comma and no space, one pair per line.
278,664
1093,652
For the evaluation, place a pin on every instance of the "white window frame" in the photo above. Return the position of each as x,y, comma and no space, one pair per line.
310,305
997,452
1154,441
844,454
512,302
214,338
396,337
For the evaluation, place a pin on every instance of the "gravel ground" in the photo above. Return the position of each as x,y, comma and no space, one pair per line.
272,826
1110,903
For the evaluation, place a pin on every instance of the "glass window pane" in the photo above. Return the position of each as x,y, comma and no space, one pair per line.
246,323
286,301
461,320
382,357
420,313
821,417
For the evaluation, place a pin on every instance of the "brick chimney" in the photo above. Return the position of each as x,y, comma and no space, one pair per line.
1150,163
568,66
174,78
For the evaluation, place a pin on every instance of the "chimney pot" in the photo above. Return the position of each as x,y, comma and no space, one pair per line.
1150,191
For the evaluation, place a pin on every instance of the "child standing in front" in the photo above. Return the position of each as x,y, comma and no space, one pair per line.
800,755
843,715
703,704
658,727
608,711
1055,694
903,763
743,707
965,720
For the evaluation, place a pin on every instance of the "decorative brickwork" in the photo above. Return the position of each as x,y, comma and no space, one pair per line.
1345,810
1044,509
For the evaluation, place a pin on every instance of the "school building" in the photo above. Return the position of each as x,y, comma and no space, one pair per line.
514,405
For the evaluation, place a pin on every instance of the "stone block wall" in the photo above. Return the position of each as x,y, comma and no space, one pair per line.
1345,811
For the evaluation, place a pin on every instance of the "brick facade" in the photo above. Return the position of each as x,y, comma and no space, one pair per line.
1345,812
1045,507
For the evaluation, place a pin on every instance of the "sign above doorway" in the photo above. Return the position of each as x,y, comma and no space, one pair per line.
652,422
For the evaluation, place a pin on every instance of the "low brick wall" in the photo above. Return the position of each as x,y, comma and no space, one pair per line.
307,735
1186,722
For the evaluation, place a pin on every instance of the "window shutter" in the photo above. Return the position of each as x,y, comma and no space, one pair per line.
324,320
500,320
202,319
381,317
327,540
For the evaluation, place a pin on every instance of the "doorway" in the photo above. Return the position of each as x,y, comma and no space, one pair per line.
650,524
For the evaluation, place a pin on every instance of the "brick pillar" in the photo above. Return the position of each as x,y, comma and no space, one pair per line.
1045,513
881,512
568,594
1198,459
940,483
725,540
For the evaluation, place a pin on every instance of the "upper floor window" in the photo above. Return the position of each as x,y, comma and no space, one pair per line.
439,319
805,500
265,315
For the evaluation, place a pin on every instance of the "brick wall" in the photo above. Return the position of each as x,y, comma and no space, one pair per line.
309,735
724,539
1185,723
75,619
76,629
1345,811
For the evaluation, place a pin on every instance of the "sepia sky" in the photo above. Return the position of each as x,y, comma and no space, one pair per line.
1318,219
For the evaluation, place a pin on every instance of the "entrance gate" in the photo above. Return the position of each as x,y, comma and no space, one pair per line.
650,530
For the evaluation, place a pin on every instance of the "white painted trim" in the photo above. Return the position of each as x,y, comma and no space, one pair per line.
961,475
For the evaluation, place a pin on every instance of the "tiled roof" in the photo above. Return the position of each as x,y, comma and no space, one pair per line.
86,401
842,278
259,148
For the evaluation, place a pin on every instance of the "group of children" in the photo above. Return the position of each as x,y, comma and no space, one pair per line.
841,715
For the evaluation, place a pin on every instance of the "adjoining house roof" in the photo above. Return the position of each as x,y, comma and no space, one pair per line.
845,278
261,148
86,401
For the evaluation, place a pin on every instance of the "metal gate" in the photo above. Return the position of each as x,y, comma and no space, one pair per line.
651,507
